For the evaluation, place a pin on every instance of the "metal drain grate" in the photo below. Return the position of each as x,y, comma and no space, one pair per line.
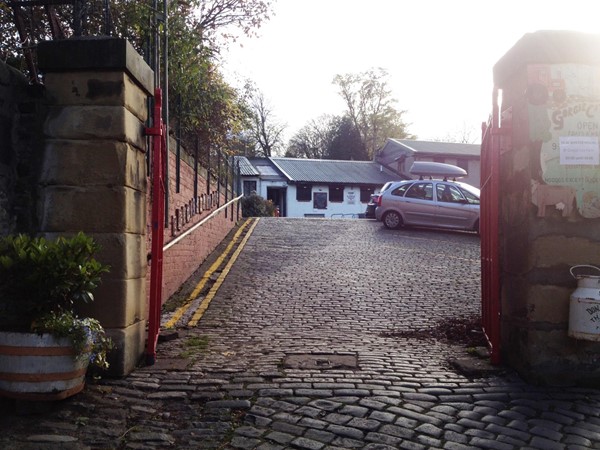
321,361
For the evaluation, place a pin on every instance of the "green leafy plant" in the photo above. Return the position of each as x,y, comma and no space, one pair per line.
41,283
86,334
256,206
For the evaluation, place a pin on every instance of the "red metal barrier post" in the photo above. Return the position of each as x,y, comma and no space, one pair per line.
157,131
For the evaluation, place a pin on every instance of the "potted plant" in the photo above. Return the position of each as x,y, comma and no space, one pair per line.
45,348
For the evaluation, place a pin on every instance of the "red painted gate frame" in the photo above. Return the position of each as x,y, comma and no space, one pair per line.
158,133
489,229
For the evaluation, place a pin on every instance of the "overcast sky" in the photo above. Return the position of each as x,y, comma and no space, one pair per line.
439,54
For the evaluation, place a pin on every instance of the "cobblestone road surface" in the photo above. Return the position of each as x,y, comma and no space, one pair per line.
301,349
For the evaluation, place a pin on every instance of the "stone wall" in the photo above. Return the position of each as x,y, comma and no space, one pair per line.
21,115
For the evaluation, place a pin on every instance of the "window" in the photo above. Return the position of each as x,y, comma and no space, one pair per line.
449,194
336,193
400,190
439,159
471,198
365,193
320,200
303,193
249,187
422,191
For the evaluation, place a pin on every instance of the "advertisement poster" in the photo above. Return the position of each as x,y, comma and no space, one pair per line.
564,122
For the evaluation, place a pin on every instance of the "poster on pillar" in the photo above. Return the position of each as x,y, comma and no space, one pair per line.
564,129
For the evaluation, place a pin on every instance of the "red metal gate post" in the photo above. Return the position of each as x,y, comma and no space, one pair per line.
490,264
157,131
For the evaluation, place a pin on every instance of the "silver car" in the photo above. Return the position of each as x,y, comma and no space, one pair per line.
430,203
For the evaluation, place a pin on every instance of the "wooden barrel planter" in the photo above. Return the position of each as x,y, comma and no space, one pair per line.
39,367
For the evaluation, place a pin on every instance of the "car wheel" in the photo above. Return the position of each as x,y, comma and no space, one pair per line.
392,220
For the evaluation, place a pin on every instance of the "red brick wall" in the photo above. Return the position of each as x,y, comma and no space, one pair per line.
185,256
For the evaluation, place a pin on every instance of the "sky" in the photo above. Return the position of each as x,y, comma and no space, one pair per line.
439,55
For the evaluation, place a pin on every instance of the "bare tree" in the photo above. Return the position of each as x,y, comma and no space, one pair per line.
266,131
465,135
371,107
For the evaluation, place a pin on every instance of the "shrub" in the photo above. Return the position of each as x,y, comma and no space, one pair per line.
256,206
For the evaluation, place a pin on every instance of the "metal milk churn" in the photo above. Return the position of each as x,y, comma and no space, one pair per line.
584,306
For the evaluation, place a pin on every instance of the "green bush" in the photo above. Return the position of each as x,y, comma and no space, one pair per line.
256,206
40,276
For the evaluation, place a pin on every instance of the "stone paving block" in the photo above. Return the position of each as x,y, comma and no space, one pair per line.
275,392
244,442
355,411
430,430
308,444
546,444
309,422
456,446
343,431
288,428
382,416
280,437
346,443
517,443
397,431
314,392
478,442
385,441
320,435
428,441
269,446
364,424
286,417
309,411
506,431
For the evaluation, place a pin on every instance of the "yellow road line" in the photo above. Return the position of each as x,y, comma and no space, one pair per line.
215,287
188,302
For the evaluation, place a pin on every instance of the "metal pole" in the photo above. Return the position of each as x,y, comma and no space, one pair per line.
165,91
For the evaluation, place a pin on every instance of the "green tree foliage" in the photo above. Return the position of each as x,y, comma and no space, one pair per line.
371,107
206,106
328,137
346,143
312,140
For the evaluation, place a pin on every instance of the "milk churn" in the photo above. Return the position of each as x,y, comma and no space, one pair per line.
584,306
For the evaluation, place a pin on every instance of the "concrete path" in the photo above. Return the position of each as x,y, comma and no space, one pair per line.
318,338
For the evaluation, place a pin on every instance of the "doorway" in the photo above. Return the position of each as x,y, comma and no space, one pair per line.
278,195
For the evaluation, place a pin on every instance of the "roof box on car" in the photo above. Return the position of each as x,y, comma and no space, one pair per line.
435,169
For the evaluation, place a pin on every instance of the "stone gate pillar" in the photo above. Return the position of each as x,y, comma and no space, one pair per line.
549,201
94,174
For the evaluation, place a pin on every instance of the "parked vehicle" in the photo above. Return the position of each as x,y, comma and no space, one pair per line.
431,203
370,211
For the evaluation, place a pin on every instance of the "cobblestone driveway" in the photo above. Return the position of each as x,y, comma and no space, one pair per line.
317,288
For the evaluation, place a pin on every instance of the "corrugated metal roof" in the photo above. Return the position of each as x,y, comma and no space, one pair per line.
441,148
334,171
246,168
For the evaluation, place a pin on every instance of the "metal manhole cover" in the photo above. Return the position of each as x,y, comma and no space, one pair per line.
321,361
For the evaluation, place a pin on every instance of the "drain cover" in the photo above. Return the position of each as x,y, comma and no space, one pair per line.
320,361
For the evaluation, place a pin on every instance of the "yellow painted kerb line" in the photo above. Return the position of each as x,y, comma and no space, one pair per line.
213,290
188,302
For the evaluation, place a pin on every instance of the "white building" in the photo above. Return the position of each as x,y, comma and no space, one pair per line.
314,187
